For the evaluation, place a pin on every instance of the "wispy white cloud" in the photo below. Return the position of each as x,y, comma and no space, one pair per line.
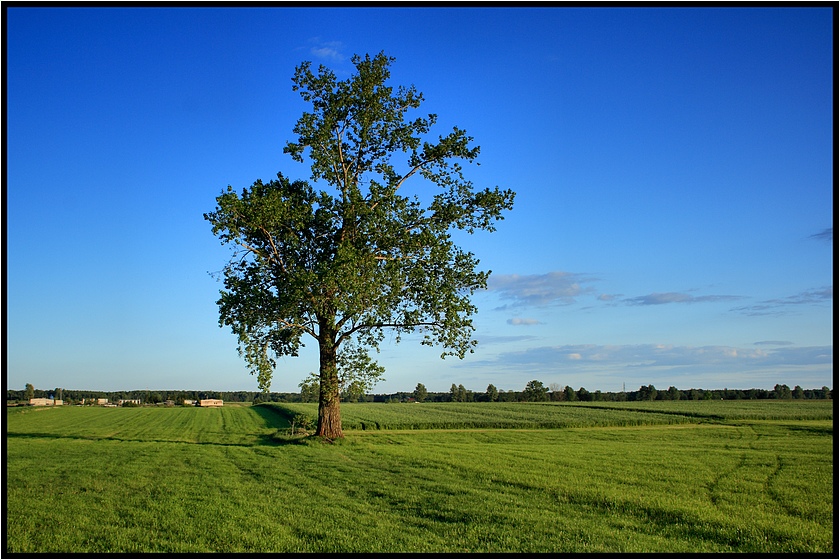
541,289
329,51
326,53
773,343
523,321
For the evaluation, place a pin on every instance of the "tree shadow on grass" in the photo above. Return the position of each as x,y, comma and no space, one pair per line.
272,417
281,422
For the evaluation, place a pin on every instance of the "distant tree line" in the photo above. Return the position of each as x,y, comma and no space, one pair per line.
534,391
651,393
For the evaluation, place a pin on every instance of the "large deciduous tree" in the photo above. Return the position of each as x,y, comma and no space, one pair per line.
344,263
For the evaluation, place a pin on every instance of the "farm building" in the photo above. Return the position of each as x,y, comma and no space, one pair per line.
45,402
211,402
189,402
101,401
132,401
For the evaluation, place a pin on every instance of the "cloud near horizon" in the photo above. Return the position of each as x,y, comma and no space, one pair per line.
540,289
659,356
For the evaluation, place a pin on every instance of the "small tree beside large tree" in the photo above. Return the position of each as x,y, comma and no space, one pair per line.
342,265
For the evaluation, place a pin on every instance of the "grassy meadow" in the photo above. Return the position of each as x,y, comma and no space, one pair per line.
678,477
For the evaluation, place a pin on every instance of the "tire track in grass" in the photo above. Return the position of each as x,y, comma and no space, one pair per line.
716,494
750,485
658,520
774,495
777,464
722,476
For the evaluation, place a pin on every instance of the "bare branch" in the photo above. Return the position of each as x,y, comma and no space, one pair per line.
274,249
341,160
414,170
254,250
405,177
290,325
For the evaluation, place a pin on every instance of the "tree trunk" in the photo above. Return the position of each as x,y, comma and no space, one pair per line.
329,414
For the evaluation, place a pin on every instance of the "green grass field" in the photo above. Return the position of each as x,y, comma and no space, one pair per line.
617,477
449,416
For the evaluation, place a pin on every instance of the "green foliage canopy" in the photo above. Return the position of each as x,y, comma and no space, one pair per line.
344,264
535,391
310,388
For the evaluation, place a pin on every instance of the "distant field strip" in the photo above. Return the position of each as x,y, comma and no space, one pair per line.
726,410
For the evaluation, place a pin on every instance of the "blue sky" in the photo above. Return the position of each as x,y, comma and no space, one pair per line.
673,223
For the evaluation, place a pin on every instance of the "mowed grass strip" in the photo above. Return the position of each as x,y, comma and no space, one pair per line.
226,425
441,416
711,487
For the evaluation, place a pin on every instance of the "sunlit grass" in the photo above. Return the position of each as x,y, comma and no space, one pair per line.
192,480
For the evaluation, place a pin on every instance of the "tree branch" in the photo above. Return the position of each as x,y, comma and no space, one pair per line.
252,249
369,326
404,178
290,325
274,249
414,170
339,134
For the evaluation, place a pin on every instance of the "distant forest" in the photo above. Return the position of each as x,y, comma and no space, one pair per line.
534,391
